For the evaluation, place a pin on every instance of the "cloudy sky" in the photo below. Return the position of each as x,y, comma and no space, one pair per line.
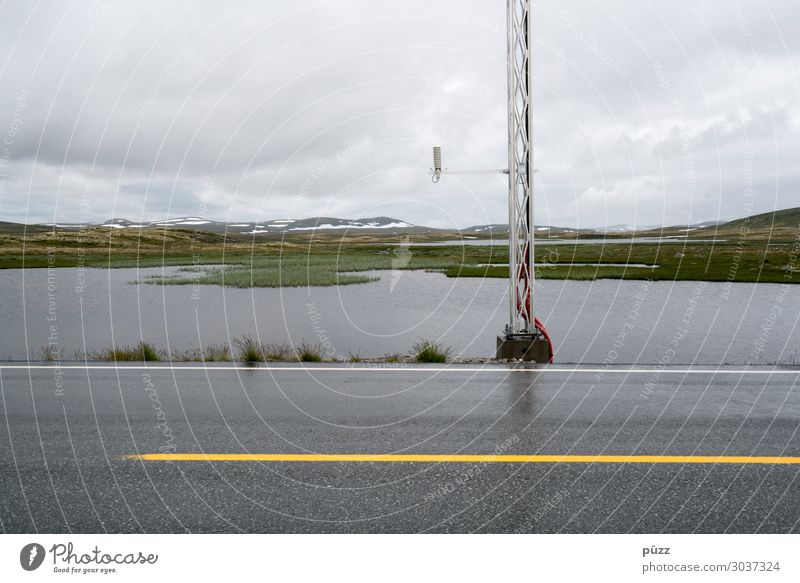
646,112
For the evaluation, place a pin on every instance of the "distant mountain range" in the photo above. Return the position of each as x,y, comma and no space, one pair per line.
781,218
258,227
382,224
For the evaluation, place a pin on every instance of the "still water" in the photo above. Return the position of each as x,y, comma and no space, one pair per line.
593,241
606,321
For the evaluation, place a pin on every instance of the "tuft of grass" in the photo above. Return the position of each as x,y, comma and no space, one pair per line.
355,356
310,352
192,355
427,351
138,352
249,349
216,353
286,271
396,357
49,353
147,351
277,351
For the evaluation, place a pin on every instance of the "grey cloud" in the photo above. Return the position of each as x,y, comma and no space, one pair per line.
238,109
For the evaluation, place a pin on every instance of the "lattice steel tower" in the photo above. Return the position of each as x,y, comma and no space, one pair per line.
525,337
520,168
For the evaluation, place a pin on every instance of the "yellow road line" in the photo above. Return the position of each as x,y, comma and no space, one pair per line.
455,458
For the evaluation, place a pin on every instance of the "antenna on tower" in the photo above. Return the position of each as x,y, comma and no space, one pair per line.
437,164
437,170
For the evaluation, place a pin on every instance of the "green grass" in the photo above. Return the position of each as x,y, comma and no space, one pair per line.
209,353
142,351
299,270
249,349
50,353
216,353
428,351
310,352
243,262
277,351
729,261
782,218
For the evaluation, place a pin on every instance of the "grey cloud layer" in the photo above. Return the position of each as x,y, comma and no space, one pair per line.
647,113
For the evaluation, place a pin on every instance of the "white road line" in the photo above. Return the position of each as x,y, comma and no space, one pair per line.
450,369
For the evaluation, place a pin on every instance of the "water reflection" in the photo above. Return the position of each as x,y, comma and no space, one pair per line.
601,322
521,390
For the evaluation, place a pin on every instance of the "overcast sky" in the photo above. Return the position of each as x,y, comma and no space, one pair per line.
647,112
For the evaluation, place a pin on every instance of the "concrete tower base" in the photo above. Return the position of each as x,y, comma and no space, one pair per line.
526,348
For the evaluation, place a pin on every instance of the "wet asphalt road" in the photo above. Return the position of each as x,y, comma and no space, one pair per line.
64,435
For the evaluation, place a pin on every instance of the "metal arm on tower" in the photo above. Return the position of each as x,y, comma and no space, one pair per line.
437,170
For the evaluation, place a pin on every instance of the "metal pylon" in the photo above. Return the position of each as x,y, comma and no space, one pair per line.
525,336
520,171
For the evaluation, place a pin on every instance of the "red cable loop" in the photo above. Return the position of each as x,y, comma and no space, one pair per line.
536,321
540,327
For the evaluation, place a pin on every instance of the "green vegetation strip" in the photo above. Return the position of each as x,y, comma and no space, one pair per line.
248,350
243,262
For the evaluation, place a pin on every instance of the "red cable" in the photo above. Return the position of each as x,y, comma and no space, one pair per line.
536,321
540,327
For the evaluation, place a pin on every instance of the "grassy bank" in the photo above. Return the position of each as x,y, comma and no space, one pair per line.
693,262
242,261
249,350
673,262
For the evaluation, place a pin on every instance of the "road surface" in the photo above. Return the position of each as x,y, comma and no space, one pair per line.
559,449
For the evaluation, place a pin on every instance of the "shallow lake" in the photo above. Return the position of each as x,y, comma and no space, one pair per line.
592,241
607,321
